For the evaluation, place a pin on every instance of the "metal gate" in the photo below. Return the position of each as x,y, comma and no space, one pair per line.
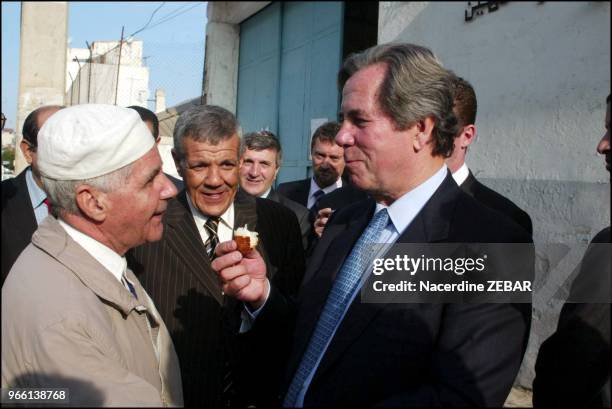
290,54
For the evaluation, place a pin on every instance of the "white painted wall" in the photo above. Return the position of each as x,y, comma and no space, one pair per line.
541,71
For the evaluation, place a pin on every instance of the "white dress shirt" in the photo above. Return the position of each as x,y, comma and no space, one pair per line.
112,261
37,197
315,188
461,174
225,230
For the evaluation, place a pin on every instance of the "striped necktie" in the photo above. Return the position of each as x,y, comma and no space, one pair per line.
341,293
211,226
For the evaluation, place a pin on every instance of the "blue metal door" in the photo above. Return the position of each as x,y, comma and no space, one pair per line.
290,54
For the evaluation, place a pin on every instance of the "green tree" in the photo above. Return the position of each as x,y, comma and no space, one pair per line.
8,155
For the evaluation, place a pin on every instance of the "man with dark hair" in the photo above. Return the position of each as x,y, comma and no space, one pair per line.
573,364
327,168
464,107
260,160
150,119
397,129
216,349
24,202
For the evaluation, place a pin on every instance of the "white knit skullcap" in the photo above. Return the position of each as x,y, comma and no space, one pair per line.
90,140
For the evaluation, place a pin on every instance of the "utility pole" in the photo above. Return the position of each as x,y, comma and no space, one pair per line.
90,68
119,65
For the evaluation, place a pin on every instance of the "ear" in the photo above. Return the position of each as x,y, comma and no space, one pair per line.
466,137
423,129
276,173
25,149
177,163
92,203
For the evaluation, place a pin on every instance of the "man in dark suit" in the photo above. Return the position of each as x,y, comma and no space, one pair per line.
464,107
214,346
573,364
24,202
327,168
350,353
260,160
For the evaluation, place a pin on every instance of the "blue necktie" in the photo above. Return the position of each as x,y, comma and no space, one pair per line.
347,280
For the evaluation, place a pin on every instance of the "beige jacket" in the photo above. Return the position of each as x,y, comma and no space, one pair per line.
68,322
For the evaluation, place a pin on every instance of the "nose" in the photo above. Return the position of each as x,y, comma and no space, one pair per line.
169,190
344,137
603,146
254,170
213,177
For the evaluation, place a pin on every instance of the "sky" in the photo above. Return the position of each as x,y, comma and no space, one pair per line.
173,43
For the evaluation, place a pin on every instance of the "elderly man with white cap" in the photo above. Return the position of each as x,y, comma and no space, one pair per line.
73,315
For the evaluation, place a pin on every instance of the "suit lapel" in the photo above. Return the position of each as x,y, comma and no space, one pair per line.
431,224
302,194
318,280
184,239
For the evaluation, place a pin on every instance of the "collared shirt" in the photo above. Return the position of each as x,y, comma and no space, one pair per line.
225,230
314,188
112,261
401,213
461,174
266,193
37,197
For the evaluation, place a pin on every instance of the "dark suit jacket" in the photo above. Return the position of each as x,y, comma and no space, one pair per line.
18,220
301,212
495,201
573,364
409,354
296,190
203,323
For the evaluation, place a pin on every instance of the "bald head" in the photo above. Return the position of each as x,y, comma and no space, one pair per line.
29,143
35,121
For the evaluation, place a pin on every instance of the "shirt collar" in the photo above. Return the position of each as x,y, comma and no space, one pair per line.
461,174
37,195
314,187
266,193
112,261
227,218
405,209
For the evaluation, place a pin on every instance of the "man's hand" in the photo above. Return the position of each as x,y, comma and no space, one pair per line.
242,277
321,220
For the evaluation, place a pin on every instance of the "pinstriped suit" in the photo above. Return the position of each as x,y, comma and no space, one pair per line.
176,273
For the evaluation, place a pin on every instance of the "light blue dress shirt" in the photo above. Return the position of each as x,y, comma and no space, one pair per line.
37,196
401,213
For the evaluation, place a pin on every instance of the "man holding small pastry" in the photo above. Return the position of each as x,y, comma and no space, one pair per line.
211,332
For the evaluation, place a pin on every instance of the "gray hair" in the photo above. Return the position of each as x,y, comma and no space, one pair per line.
62,193
204,123
415,86
260,140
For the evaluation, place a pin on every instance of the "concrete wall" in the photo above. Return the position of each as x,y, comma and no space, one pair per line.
222,45
541,71
42,61
101,86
